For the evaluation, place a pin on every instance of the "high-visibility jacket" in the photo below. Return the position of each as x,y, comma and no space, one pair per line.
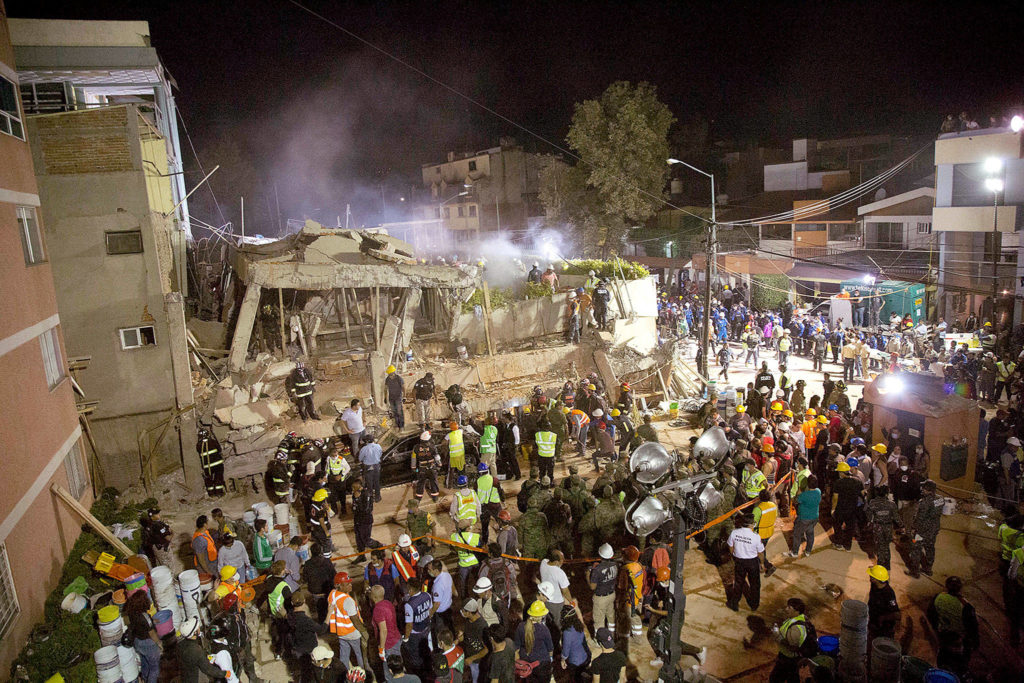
546,444
338,620
1009,540
810,430
635,586
466,506
1004,370
794,488
785,646
579,420
489,440
467,558
764,519
209,453
785,344
1018,555
457,448
211,547
275,599
225,588
406,565
950,611
486,491
337,466
753,483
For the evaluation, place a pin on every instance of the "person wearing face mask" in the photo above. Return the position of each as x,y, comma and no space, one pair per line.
922,460
906,491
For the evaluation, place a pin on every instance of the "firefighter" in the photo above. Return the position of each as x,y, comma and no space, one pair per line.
426,462
278,476
212,460
302,387
319,520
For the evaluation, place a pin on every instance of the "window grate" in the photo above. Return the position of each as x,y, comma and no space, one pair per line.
9,607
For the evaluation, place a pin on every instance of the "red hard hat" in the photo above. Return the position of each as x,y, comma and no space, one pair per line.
341,577
229,601
505,516
631,553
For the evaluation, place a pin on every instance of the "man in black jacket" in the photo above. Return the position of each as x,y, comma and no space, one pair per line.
192,658
318,573
304,635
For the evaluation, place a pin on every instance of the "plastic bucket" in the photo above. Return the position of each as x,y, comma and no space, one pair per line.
161,577
303,553
673,409
74,603
463,354
282,511
108,614
828,645
110,632
275,537
189,583
134,583
249,517
129,660
293,527
949,507
940,676
914,669
164,622
205,583
106,659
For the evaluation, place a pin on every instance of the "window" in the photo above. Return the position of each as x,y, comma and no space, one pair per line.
447,212
124,242
137,337
10,114
460,212
924,228
77,478
52,362
9,608
472,166
31,238
472,211
437,212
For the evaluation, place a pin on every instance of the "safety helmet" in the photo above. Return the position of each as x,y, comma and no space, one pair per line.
841,385
482,467
390,370
833,406
281,455
357,674
592,387
763,391
767,448
320,495
292,435
605,551
482,585
625,385
878,572
565,410
218,631
202,432
547,589
505,516
342,577
879,448
322,653
453,425
616,412
579,290
425,436
776,405
526,410
229,601
189,627
741,409
822,419
598,413
404,541
537,609
842,467
593,273
811,412
227,571
856,441
631,553
461,480
663,574
787,412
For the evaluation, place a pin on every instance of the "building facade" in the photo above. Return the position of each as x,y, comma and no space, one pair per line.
107,212
39,424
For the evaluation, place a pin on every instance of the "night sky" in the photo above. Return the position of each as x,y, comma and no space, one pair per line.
328,119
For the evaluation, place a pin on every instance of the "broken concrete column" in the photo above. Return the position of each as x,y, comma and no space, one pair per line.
389,337
377,367
243,327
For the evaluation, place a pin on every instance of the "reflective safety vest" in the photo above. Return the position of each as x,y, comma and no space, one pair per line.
1019,555
211,548
579,417
209,453
406,566
305,387
764,518
753,483
950,612
486,491
457,447
1004,370
489,440
336,466
794,488
1009,540
227,588
810,430
466,506
784,344
339,621
546,444
276,598
797,622
635,587
467,558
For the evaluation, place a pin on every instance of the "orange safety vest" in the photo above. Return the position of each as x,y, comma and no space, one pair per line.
225,589
635,588
406,568
809,428
339,622
211,547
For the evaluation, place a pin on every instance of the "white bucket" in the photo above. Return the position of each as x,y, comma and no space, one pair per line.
282,511
293,528
188,580
74,603
129,660
949,507
249,517
276,538
108,664
110,633
161,577
260,506
462,352
165,594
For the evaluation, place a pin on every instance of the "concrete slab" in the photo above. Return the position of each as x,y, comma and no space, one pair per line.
256,442
316,429
225,398
279,370
257,413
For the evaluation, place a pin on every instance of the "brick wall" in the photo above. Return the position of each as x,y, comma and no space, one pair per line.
93,141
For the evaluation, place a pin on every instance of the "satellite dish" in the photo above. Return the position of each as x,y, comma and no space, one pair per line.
651,461
645,516
713,443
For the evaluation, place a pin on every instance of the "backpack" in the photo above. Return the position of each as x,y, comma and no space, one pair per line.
809,648
501,577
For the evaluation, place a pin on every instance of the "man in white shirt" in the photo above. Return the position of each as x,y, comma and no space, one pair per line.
551,572
745,545
353,419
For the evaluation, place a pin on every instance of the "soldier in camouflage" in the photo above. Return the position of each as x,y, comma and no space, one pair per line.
541,495
559,515
419,523
527,489
882,517
925,530
715,536
610,515
533,530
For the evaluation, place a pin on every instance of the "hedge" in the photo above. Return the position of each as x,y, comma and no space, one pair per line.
606,268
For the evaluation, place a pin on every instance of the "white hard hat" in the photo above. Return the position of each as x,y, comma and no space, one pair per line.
535,264
189,627
483,584
605,551
546,589
598,413
404,541
1013,441
425,436
591,273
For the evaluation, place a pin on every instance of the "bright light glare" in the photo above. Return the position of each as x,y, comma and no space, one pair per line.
993,165
674,161
869,279
891,384
994,184
1017,123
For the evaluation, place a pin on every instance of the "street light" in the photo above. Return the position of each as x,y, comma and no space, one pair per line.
1017,123
710,258
994,184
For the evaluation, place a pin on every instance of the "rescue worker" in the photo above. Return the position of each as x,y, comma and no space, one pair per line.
465,504
882,516
319,520
753,480
1011,557
533,276
956,622
338,471
203,547
925,530
467,558
456,451
883,610
488,492
362,514
572,319
545,439
233,627
579,427
302,386
212,461
634,583
406,559
278,477
765,514
601,297
426,462
625,431
646,431
312,453
489,443
794,635
423,392
344,620
395,386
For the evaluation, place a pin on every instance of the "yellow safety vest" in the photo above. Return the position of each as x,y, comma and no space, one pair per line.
546,444
1005,370
486,490
334,465
466,506
794,488
467,558
765,514
1009,540
456,449
754,483
784,646
1019,554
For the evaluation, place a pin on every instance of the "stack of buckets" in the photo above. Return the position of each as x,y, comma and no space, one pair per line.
108,657
166,599
108,664
188,581
853,640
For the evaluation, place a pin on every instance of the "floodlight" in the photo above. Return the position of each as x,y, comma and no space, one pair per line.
713,443
650,462
1017,123
674,161
645,516
994,184
993,165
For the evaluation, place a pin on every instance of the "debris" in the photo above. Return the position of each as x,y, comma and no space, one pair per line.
257,413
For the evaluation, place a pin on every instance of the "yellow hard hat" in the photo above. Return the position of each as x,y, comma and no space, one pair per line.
537,609
526,409
776,405
616,412
767,448
878,572
880,447
810,411
822,419
227,571
741,409
321,494
390,370
787,412
565,410
591,387
842,467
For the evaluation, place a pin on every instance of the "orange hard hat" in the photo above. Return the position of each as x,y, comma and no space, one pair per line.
631,553
663,573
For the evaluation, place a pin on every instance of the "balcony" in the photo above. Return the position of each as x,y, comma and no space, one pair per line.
974,218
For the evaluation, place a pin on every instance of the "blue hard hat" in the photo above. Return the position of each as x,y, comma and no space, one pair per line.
833,406
461,480
856,441
852,462
579,290
482,467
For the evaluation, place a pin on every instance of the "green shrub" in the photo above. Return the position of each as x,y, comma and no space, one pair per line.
606,268
768,292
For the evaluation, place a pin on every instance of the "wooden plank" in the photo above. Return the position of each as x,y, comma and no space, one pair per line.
280,310
89,519
487,318
359,317
343,317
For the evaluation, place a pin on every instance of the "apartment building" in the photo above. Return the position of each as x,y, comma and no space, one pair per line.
39,424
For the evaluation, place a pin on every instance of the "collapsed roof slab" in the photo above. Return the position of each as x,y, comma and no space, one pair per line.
321,276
